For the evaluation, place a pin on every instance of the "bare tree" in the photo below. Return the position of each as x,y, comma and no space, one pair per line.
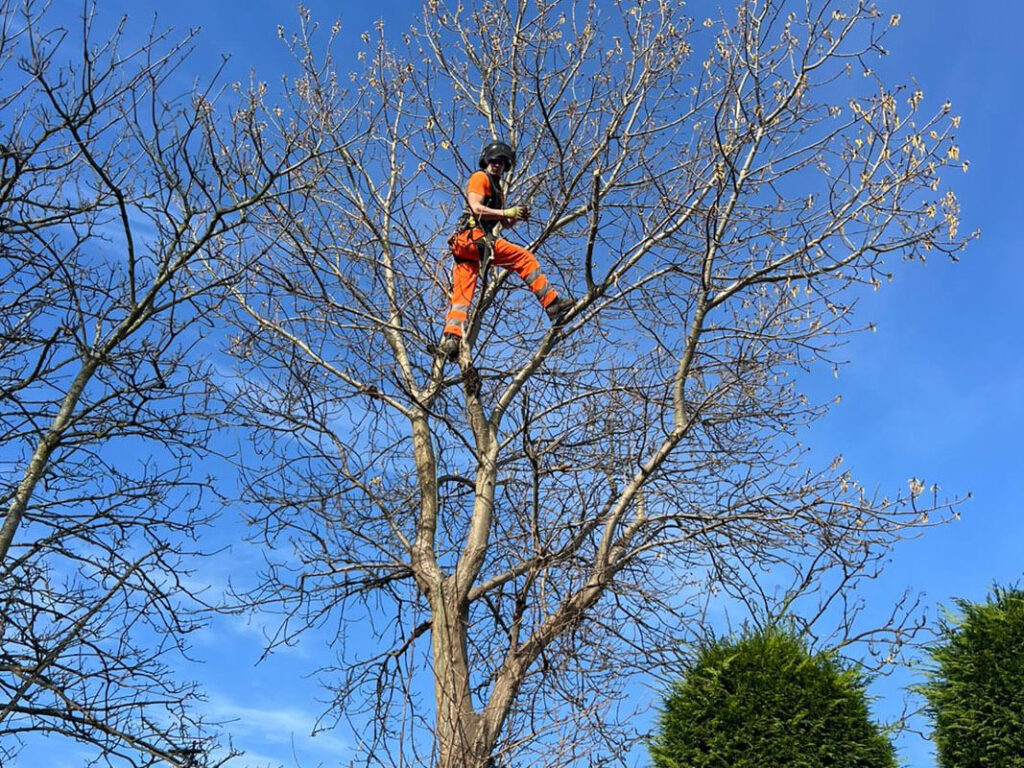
524,533
121,184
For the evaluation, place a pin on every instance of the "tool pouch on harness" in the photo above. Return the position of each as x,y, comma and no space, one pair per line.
485,245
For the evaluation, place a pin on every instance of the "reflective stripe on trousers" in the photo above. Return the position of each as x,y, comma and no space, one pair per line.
467,270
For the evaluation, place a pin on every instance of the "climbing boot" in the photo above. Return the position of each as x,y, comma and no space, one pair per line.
448,347
558,309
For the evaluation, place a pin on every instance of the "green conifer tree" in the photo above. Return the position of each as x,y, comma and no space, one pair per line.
765,700
975,692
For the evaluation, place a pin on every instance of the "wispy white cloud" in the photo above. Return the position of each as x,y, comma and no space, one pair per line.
278,736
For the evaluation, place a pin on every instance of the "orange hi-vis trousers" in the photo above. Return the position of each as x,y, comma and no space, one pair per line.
467,269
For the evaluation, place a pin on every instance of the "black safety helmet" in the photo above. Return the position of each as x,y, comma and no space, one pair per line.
497,150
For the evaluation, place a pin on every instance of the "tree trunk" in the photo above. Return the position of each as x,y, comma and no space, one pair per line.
464,741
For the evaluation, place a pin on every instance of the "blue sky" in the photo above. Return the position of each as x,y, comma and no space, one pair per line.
935,392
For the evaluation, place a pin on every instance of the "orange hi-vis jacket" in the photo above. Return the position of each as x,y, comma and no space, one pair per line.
466,246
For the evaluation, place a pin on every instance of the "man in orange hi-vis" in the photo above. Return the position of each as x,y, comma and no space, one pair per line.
476,232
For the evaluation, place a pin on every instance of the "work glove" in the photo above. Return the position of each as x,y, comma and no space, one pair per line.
517,213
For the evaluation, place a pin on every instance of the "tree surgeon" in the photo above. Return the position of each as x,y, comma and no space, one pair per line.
476,239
